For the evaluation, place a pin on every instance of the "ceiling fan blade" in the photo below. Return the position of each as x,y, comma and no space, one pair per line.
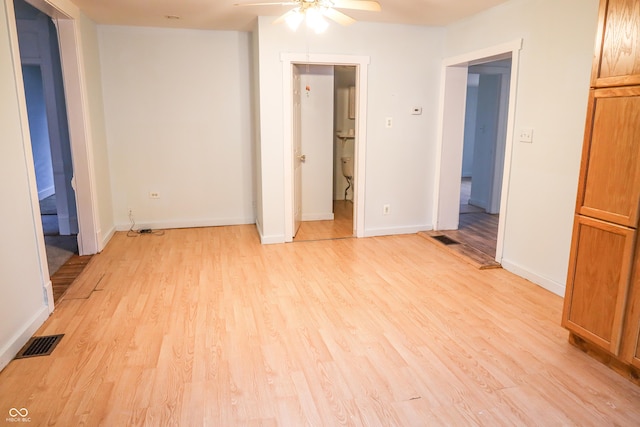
284,17
370,5
288,3
339,17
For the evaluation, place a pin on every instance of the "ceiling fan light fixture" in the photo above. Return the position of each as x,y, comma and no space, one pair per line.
294,19
314,12
321,26
314,19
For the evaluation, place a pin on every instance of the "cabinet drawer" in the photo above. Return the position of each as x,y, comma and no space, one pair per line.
598,281
617,52
609,187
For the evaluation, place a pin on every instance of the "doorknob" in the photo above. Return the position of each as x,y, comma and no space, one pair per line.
302,158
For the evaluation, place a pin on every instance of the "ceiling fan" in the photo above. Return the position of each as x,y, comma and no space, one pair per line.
314,12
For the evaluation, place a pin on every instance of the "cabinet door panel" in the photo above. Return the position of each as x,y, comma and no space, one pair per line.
618,44
610,180
598,281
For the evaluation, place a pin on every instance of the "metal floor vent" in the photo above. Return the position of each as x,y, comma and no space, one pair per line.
445,240
39,346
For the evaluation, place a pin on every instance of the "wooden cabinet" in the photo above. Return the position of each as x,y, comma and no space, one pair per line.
602,301
609,187
599,277
617,55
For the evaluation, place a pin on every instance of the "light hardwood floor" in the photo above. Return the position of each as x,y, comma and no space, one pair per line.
341,227
476,236
208,327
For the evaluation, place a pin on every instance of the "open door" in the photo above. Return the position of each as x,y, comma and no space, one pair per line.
298,157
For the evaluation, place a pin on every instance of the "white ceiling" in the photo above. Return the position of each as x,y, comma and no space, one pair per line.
223,15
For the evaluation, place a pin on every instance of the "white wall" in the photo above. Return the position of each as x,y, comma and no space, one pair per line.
23,307
404,72
178,122
555,65
38,128
98,137
255,122
344,147
317,141
485,140
470,112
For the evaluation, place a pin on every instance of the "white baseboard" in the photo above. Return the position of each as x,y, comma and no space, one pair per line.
48,289
103,239
11,348
46,192
372,232
544,282
272,240
318,217
268,240
478,203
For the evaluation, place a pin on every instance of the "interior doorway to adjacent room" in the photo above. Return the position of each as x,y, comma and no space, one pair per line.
497,163
342,142
324,110
485,129
49,130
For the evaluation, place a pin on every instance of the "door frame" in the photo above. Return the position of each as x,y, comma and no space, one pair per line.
361,63
66,17
61,162
452,105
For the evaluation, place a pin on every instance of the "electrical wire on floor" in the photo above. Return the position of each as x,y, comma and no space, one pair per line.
133,232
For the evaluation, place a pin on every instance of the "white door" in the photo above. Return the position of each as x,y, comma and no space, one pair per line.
298,157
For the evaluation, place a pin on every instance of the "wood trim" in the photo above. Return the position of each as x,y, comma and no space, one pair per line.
617,81
597,55
613,92
586,150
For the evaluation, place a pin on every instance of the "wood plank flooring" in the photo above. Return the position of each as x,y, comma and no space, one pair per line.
340,228
208,327
476,234
67,274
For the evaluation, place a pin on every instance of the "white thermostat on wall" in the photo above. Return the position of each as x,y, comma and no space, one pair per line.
416,111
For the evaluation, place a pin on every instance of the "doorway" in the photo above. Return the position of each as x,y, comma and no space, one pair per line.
483,154
49,130
292,157
65,15
451,139
324,109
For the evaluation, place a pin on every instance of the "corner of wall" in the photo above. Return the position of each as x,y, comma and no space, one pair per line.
268,240
9,351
